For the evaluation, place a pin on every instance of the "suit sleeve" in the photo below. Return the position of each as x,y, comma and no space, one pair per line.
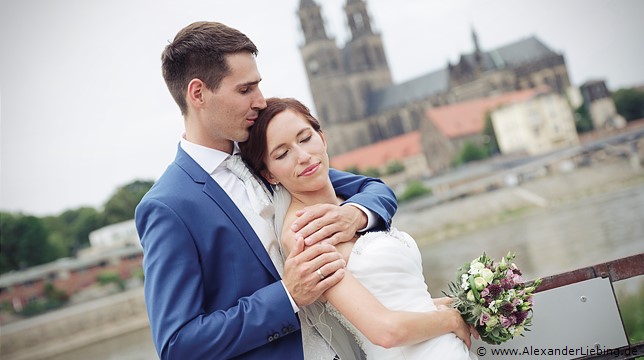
371,193
182,327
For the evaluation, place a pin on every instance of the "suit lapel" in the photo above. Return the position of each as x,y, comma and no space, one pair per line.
213,191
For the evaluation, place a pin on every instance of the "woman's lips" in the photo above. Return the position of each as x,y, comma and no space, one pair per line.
310,170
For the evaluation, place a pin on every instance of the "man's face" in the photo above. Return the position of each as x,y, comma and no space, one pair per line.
232,109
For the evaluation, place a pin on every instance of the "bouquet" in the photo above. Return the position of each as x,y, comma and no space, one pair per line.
493,298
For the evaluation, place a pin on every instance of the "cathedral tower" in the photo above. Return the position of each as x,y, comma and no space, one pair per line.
324,66
366,62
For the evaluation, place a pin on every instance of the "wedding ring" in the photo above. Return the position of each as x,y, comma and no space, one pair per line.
320,274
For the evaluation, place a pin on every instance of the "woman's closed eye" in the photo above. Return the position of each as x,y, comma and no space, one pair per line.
306,139
282,155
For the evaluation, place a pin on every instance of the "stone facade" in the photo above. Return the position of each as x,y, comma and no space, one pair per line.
357,102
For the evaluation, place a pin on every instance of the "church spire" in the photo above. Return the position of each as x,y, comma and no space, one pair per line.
311,21
475,39
358,18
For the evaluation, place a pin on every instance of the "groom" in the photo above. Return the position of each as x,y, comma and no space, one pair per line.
212,291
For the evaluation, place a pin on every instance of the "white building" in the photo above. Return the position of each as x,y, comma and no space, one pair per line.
537,125
116,235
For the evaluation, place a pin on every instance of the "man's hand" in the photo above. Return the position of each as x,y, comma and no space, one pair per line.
301,276
328,223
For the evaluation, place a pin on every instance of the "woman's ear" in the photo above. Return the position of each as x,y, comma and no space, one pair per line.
323,139
269,177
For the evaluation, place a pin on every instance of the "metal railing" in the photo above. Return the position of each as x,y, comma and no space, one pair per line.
616,270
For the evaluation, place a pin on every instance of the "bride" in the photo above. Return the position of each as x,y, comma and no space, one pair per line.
383,297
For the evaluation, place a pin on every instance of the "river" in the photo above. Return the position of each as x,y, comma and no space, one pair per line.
547,241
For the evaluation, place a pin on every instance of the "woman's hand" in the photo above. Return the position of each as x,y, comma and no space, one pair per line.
443,301
459,327
331,224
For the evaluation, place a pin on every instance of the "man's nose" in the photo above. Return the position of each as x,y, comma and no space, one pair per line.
260,102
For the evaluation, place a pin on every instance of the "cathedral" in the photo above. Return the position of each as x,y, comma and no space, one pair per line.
357,102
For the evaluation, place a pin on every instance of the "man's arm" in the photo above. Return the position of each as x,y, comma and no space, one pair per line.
184,325
339,224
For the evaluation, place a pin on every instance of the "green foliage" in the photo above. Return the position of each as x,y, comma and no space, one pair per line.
107,277
24,242
414,189
121,205
471,152
353,169
138,274
633,314
629,103
28,240
491,143
371,172
395,167
583,122
54,298
70,230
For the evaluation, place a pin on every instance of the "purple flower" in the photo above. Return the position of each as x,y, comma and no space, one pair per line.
520,316
517,279
507,284
516,301
506,308
485,292
495,290
484,318
505,322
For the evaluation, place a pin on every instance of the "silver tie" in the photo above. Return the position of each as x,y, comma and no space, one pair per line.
261,216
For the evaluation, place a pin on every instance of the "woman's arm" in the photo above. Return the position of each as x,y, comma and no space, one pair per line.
388,328
382,326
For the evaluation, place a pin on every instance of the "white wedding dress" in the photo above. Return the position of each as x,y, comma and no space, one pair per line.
389,265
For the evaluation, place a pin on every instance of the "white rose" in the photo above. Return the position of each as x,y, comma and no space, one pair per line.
487,274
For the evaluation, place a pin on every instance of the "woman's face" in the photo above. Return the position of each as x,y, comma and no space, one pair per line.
297,156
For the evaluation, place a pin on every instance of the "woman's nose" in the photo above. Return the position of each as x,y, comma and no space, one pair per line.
302,155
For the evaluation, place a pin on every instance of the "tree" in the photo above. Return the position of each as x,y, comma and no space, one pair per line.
490,136
471,152
353,169
629,103
121,205
23,242
395,167
70,230
583,122
371,172
414,189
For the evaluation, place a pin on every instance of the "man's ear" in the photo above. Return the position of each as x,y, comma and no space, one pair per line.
195,93
269,177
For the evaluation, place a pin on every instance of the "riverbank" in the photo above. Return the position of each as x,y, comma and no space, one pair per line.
73,327
430,224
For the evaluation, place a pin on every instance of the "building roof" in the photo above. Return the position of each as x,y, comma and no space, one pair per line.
468,118
400,94
436,82
381,153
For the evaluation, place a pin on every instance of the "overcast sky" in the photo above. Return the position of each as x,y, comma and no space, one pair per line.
84,109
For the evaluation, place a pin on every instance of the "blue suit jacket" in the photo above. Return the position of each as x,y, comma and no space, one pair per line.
211,290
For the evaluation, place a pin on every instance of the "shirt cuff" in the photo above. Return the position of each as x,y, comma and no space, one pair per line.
371,216
295,307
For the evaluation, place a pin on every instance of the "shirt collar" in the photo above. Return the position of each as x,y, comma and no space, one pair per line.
208,158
